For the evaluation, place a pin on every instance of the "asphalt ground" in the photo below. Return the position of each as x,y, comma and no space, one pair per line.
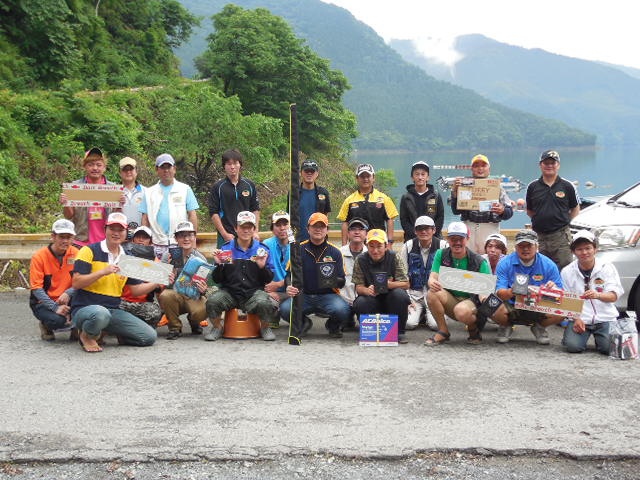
248,400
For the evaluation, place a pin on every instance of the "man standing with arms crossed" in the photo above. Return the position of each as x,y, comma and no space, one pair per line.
552,202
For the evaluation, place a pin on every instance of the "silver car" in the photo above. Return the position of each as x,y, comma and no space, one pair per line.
616,224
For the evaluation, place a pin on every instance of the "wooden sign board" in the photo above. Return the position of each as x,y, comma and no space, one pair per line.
145,270
568,305
478,193
466,281
92,195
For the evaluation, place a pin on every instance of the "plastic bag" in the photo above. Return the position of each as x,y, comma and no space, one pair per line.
624,339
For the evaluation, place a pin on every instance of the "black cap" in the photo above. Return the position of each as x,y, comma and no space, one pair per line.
309,165
358,221
552,154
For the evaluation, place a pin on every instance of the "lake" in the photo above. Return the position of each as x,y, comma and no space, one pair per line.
610,170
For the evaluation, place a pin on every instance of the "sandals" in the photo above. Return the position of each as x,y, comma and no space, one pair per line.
475,338
432,341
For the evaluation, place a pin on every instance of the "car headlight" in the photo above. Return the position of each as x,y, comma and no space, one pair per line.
617,236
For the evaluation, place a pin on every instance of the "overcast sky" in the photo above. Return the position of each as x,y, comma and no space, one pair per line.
593,30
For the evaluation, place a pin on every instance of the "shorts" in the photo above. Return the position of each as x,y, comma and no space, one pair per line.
452,301
523,317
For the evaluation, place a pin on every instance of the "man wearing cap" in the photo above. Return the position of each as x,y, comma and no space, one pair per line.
421,199
373,206
133,192
418,254
481,224
232,195
166,204
460,306
599,286
538,270
552,202
243,280
495,249
313,198
95,308
89,222
50,277
323,274
357,232
279,253
143,306
381,281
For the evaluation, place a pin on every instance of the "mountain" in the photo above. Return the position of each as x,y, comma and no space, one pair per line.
397,104
588,95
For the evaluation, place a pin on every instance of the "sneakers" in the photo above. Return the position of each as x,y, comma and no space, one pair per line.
540,332
214,334
504,334
402,339
46,334
267,334
174,334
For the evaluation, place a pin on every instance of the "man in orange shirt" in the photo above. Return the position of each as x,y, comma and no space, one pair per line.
50,276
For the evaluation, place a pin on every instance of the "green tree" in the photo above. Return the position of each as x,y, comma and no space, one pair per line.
255,55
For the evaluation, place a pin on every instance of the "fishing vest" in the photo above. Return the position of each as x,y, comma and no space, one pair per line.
418,269
474,261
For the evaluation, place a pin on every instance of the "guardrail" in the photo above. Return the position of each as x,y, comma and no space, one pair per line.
21,246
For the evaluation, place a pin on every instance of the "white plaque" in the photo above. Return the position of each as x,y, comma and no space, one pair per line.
466,281
145,270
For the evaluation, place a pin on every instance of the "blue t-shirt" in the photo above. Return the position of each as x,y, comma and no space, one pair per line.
540,272
279,255
307,208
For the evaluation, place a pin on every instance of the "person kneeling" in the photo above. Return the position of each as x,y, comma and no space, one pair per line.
381,281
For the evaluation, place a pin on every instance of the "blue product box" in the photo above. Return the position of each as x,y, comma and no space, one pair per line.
377,330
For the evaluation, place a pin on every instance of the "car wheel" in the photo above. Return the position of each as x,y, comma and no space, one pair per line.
636,305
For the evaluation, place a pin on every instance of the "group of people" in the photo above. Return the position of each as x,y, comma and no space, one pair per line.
75,280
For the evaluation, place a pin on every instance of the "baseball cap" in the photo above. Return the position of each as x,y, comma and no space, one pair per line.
318,217
526,235
63,226
310,165
583,235
279,215
552,154
498,237
143,229
424,220
127,161
184,227
91,155
480,158
365,168
358,221
117,218
420,164
165,158
377,235
245,217
457,229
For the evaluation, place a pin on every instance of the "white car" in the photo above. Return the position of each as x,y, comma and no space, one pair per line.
615,222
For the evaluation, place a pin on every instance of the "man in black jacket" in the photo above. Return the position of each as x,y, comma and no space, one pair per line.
421,199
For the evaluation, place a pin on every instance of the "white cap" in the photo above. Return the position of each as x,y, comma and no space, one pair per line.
63,226
185,227
279,215
117,218
584,235
457,229
245,217
498,237
424,220
144,229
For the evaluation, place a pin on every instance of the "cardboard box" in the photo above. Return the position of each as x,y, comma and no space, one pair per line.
567,304
377,330
478,193
92,195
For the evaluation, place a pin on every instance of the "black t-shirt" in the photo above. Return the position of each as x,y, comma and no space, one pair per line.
551,204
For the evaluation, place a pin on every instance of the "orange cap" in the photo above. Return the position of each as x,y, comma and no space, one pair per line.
318,217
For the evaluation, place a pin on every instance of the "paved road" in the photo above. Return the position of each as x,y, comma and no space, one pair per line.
195,400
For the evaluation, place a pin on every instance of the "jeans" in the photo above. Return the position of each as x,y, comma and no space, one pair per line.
130,330
49,319
577,342
396,302
330,304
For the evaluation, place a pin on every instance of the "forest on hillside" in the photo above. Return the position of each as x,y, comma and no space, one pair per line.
78,73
